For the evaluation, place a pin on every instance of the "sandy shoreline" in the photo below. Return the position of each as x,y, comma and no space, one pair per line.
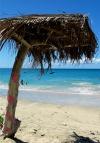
49,123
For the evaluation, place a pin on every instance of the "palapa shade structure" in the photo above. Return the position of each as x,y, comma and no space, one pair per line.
45,38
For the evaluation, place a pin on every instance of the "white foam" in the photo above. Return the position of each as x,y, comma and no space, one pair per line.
3,86
81,89
85,88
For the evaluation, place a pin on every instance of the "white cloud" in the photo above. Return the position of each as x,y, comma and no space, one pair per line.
96,60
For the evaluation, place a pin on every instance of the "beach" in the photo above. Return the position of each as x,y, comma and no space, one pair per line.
55,108
51,123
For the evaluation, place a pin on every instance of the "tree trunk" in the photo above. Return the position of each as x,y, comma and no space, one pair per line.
10,124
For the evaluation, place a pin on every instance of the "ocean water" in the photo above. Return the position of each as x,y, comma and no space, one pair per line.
59,86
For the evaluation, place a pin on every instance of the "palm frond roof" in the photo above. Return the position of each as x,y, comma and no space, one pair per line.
50,37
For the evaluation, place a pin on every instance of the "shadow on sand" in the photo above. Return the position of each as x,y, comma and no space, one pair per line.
16,140
82,139
78,139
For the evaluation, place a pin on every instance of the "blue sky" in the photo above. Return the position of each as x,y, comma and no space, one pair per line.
9,8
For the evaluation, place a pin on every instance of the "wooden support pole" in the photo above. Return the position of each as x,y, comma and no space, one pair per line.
10,126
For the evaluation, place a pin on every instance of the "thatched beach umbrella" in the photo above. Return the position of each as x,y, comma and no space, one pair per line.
45,38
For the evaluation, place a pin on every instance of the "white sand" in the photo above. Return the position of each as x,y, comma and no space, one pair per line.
45,123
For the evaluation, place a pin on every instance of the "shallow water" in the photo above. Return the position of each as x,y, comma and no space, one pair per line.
60,86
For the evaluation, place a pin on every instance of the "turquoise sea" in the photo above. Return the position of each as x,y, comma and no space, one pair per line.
59,86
